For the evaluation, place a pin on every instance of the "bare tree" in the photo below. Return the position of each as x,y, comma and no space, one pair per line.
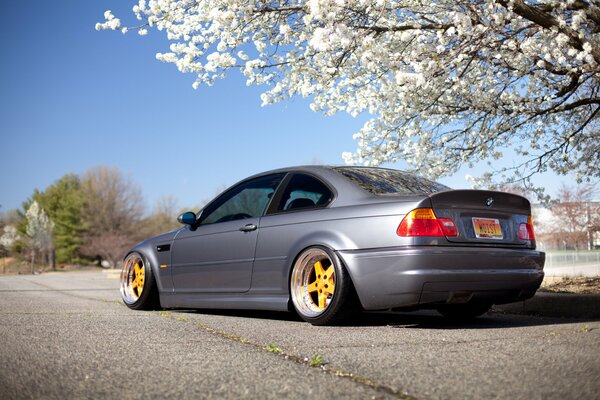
109,246
163,218
577,217
113,210
113,201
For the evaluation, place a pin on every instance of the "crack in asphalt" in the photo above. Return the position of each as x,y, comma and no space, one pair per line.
305,361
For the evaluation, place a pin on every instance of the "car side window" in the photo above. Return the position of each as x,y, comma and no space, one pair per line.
246,200
304,192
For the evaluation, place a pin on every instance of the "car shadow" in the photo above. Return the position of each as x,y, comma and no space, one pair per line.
431,320
255,314
424,319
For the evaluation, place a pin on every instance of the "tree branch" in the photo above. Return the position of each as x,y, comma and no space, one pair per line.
591,11
547,21
576,104
265,10
402,28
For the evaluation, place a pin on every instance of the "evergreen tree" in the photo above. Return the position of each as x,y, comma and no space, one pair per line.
63,201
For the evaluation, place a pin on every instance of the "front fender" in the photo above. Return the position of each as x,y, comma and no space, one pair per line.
159,261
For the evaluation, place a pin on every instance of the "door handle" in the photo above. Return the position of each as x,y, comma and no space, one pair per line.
248,228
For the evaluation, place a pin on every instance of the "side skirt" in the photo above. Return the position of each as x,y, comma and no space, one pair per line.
231,301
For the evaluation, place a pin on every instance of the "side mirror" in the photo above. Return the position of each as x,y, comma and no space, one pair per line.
187,218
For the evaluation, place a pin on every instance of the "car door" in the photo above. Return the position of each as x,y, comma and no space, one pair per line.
217,255
296,209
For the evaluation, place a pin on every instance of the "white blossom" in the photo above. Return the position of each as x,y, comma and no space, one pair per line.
444,83
110,22
39,227
9,237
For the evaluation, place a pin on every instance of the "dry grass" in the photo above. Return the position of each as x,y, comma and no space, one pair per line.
579,285
16,266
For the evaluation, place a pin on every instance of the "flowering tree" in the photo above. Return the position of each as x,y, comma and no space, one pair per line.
39,230
446,82
9,237
7,242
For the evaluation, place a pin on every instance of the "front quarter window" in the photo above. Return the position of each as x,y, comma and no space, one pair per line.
246,200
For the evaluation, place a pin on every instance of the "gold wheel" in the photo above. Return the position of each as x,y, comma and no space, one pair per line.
313,282
133,278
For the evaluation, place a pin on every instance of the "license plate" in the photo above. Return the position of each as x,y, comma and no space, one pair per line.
487,228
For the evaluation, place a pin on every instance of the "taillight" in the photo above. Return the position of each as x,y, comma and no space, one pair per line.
526,230
448,227
423,222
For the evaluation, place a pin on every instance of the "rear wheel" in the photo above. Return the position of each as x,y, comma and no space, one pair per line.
322,292
138,286
463,312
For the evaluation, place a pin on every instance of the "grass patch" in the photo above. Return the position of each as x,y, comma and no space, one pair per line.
273,348
317,360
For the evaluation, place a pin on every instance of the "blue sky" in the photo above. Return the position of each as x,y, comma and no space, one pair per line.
72,98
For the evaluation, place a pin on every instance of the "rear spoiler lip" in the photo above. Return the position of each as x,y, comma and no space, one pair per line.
479,200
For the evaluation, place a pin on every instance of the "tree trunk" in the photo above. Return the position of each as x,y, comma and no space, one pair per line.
590,235
32,261
53,258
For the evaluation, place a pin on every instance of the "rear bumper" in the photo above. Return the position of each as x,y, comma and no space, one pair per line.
430,275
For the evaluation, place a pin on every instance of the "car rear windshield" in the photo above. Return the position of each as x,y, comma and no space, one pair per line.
389,181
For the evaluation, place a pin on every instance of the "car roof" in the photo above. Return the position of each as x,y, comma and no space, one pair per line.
347,192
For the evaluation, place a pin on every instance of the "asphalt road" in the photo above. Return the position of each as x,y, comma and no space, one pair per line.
67,335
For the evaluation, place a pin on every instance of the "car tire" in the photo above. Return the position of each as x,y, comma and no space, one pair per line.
463,312
137,283
321,289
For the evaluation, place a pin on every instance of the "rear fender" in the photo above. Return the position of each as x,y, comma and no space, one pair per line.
331,240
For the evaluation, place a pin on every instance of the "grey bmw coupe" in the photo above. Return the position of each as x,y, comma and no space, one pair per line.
328,241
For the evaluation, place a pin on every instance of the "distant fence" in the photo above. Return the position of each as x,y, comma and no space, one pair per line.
572,263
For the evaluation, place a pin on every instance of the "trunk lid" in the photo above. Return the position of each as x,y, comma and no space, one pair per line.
483,216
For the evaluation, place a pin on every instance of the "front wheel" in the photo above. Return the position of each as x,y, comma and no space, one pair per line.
322,292
138,286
